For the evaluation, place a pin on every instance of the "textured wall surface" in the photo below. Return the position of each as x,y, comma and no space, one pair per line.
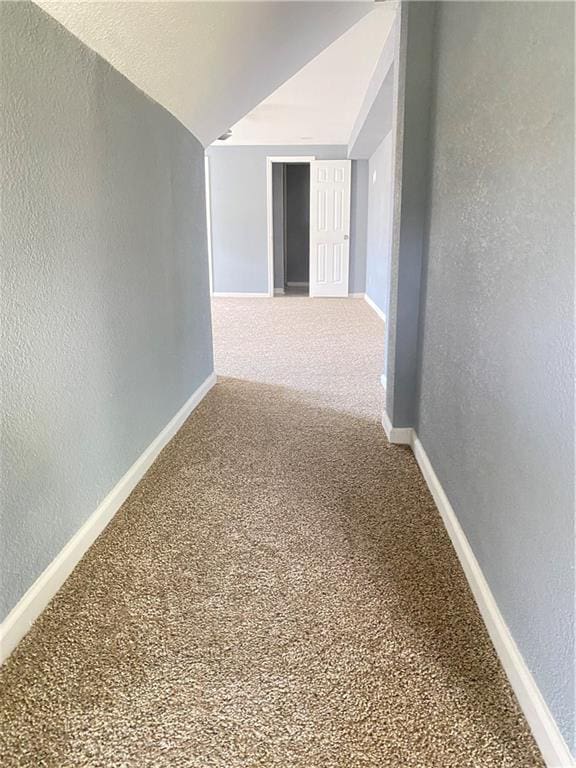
232,49
379,239
412,99
358,226
105,310
239,234
496,412
297,222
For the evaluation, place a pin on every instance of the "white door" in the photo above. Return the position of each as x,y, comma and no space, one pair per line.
329,227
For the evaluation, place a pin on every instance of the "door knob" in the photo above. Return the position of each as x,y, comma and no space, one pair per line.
346,237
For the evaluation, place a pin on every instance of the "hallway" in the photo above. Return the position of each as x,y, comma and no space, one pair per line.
278,591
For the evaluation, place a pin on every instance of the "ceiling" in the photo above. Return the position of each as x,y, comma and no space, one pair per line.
320,103
208,63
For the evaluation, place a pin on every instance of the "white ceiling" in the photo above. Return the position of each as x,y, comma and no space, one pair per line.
209,63
320,103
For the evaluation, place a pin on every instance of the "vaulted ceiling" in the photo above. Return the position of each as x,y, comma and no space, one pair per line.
320,103
208,63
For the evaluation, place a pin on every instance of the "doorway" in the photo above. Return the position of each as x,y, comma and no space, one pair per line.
296,229
290,203
308,223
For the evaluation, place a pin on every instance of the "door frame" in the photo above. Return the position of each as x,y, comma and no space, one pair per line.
269,209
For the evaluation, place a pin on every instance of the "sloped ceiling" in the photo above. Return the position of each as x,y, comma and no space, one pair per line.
208,63
320,103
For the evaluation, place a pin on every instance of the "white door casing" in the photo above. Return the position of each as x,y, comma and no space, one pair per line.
329,227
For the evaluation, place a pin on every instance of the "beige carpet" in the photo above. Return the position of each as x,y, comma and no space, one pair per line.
279,591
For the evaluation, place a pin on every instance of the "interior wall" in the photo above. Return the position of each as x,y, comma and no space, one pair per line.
297,222
496,401
358,225
412,96
379,238
238,206
105,307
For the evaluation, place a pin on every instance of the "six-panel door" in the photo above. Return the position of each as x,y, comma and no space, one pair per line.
329,227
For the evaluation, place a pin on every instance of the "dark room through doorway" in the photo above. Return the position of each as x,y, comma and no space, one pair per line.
291,204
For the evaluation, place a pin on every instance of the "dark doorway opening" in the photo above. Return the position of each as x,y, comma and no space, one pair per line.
291,227
296,227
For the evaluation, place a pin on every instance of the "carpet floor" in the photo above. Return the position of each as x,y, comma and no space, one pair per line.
278,591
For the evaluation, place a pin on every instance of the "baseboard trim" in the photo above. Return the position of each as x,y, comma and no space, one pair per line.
544,728
281,292
35,600
239,295
397,435
375,307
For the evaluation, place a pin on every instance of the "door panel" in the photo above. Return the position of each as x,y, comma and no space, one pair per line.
329,227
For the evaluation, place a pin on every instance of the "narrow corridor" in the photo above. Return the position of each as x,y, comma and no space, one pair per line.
278,591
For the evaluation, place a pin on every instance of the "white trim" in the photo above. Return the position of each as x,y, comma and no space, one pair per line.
356,295
541,721
279,291
269,210
208,218
239,295
544,728
375,307
291,159
27,610
397,435
383,383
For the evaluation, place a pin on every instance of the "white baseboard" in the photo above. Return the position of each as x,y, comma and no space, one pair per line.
375,307
278,292
397,435
542,724
544,728
27,610
239,295
383,384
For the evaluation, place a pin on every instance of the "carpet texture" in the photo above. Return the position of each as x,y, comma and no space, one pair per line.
278,591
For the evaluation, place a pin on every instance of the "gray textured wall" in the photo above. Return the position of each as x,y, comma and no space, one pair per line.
496,412
379,237
105,309
358,226
239,234
297,213
412,99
